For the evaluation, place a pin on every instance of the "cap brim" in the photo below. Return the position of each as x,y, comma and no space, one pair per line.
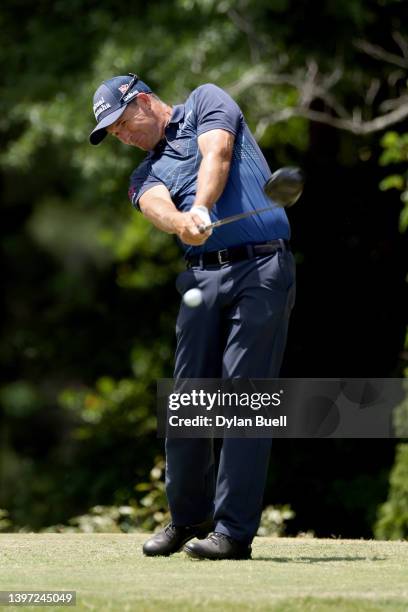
99,133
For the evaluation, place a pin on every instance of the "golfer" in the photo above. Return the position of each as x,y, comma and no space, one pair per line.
203,164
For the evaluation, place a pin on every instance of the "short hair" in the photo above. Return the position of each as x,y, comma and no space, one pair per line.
134,101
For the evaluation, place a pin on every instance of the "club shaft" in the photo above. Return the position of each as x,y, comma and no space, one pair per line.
237,217
283,188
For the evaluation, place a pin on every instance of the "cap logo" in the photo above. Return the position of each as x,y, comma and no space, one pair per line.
130,95
123,88
100,106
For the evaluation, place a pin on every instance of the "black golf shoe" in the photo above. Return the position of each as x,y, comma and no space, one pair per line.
218,546
173,538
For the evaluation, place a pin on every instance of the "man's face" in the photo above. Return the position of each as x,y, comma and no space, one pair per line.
139,125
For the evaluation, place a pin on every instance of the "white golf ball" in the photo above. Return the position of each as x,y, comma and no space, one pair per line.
193,297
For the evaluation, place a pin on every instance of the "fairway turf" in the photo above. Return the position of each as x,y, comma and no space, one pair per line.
109,572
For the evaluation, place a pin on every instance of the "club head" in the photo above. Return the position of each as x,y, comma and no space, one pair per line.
285,186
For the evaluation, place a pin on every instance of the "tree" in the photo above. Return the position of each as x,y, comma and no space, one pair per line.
89,306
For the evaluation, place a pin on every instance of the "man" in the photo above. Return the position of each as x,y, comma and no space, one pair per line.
204,164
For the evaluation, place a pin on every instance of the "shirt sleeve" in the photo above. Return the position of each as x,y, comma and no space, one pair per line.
215,109
141,180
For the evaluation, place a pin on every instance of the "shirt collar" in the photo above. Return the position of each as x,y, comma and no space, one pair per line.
177,114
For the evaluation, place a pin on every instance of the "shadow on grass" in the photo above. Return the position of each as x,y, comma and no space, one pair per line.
315,559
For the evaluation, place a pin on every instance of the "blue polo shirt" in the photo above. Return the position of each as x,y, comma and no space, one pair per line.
175,162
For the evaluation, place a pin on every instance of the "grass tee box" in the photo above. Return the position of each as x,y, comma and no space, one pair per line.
109,572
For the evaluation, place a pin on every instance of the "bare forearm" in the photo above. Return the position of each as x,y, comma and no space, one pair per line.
165,216
161,213
212,178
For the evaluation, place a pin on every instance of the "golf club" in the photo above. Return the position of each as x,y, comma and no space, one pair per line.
284,187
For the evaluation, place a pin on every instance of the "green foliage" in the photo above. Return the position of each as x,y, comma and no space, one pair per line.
152,510
273,520
99,519
5,522
157,253
146,513
393,181
395,151
149,512
392,523
395,148
122,403
19,398
401,411
393,514
89,306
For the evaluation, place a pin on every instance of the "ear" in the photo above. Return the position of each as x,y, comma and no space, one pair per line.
144,101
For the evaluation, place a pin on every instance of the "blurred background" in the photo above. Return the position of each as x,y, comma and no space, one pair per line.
89,303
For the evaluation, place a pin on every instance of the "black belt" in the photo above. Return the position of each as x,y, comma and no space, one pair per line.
238,253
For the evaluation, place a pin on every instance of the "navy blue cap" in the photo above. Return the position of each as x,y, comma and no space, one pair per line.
110,101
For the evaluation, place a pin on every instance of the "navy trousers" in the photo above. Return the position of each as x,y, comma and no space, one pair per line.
239,331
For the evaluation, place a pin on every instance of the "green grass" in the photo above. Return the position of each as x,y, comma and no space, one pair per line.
109,572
